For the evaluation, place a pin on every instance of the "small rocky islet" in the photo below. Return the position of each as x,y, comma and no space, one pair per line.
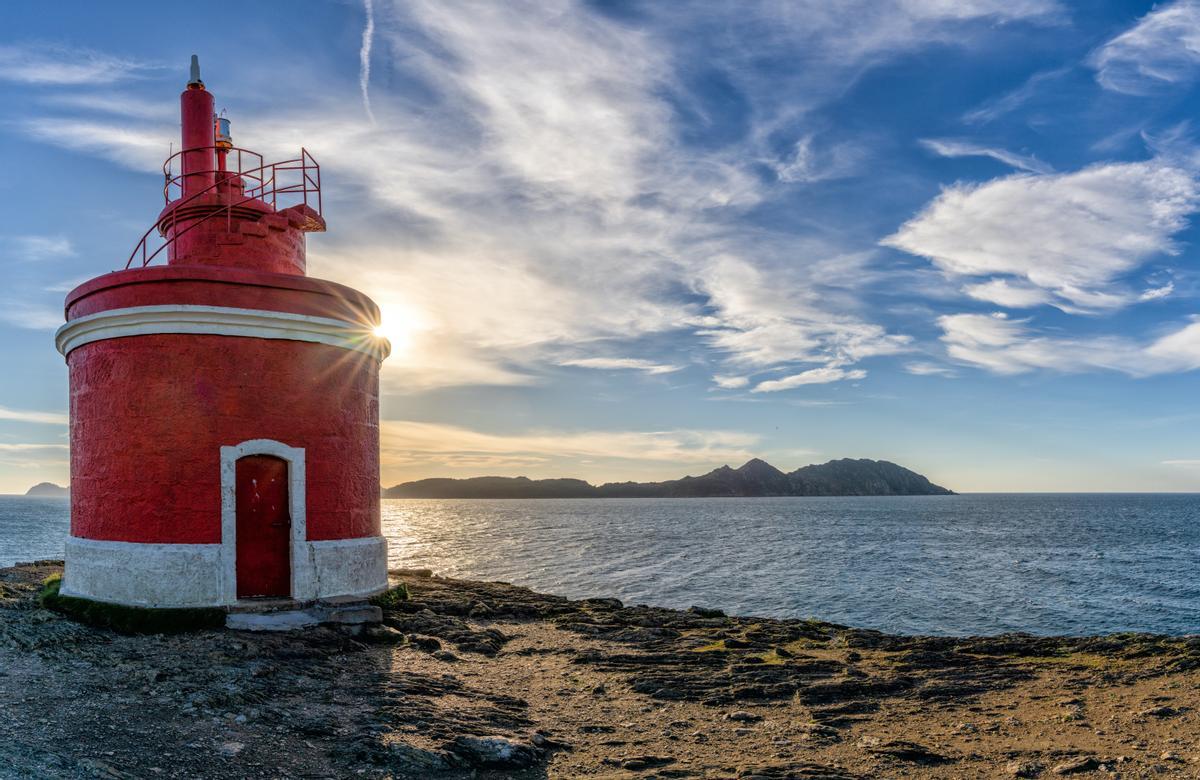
47,490
489,680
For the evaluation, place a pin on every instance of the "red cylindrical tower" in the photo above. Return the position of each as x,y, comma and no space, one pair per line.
196,106
224,406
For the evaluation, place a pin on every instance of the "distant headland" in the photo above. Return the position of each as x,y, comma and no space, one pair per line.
47,489
845,477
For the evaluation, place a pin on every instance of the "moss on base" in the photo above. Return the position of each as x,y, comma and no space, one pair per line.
125,619
391,597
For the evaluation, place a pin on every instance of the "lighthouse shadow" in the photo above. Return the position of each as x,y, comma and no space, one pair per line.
417,717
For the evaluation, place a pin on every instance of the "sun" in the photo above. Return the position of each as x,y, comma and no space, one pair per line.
397,324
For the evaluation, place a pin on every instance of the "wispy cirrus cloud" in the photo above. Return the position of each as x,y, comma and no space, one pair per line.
1162,49
762,322
53,64
1008,292
996,107
813,376
921,368
116,103
1007,346
1157,293
622,364
138,147
526,169
33,316
39,248
20,415
811,162
950,147
364,57
1060,238
730,382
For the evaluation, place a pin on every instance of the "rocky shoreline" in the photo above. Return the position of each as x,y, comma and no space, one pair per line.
488,680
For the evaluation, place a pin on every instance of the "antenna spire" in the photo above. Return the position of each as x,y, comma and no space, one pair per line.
194,82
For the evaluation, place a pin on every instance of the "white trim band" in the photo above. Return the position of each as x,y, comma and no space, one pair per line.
219,321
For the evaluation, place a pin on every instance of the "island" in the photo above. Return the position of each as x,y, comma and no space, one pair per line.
47,489
755,478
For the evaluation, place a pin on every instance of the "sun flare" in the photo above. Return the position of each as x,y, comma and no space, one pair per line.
398,323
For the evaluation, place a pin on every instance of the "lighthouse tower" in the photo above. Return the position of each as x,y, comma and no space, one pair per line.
224,405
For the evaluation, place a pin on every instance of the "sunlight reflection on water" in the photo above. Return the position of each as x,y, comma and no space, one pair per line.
922,564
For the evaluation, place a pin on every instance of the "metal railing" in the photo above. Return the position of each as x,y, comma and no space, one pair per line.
266,188
173,182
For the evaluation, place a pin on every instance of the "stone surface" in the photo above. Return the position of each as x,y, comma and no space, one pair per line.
1077,766
588,688
494,752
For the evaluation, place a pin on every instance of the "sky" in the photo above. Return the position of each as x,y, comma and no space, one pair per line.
622,239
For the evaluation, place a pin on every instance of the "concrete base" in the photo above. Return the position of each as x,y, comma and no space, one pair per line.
292,616
204,575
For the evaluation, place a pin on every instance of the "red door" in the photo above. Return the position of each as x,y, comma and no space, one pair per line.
264,527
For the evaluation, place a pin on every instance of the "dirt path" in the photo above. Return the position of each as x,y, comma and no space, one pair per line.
487,680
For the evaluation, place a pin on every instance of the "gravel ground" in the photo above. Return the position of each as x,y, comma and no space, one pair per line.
487,680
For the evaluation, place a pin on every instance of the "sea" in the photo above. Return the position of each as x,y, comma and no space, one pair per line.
952,565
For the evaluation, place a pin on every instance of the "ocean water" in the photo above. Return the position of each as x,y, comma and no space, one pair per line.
970,564
32,528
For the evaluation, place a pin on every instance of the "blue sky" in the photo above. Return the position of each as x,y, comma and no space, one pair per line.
622,240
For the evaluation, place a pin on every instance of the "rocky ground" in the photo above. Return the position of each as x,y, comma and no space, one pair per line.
486,680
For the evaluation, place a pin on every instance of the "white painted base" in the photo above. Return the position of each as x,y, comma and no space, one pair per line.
144,575
195,575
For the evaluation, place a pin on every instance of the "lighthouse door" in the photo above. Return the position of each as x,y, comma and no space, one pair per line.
263,527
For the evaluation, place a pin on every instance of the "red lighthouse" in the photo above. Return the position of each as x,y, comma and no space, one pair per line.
224,406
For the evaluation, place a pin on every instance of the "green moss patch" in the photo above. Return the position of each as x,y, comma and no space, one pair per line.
125,619
391,598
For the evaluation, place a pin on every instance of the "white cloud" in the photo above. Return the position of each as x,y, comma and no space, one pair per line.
538,177
1070,234
8,447
1003,10
58,65
33,316
766,319
730,382
1176,351
37,248
49,418
611,364
1006,292
810,163
116,103
1163,48
364,58
1010,101
1189,463
1007,346
814,376
1157,293
949,147
918,368
140,148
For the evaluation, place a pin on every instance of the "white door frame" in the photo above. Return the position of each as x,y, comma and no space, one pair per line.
302,568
